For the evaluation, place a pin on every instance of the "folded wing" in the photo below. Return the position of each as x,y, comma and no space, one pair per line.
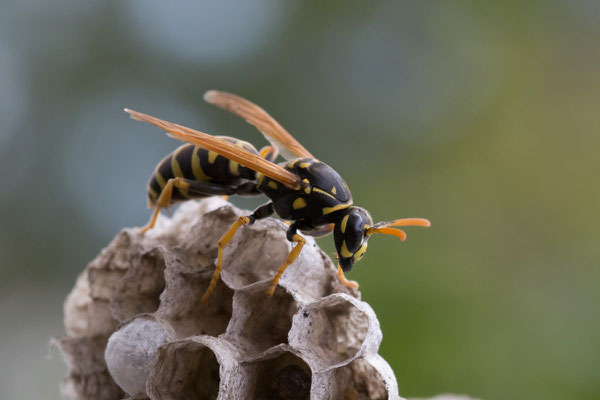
224,148
276,134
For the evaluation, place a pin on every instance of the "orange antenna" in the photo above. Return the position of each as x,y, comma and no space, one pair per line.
383,227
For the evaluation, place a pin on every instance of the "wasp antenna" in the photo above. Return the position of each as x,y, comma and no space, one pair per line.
399,233
409,222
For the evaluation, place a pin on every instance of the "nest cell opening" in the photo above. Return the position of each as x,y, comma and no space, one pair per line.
261,322
285,377
254,254
182,308
361,382
185,370
332,332
140,288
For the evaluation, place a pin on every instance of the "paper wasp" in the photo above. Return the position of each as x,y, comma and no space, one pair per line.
303,190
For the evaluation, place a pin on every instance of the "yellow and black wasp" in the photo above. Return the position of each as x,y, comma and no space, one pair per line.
303,190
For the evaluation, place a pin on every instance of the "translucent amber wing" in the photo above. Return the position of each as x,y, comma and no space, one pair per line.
288,147
224,148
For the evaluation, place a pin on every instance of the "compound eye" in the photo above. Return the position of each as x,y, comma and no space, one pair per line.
354,232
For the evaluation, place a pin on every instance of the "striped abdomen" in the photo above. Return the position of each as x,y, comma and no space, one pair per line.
198,164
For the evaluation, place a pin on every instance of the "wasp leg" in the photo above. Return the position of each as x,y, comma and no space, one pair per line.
292,236
269,153
350,284
319,231
186,186
261,212
246,189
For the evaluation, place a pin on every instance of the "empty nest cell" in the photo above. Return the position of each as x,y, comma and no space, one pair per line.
180,302
259,321
140,287
185,369
333,330
255,254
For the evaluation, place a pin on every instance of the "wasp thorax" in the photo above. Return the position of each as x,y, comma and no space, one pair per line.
350,236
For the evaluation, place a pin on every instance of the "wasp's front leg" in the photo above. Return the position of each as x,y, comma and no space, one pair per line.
261,212
292,236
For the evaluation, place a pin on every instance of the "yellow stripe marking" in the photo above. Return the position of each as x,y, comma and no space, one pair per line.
212,156
153,197
175,164
329,210
292,163
197,168
233,167
323,192
344,252
333,190
299,203
260,176
359,253
161,181
344,221
308,188
273,185
304,165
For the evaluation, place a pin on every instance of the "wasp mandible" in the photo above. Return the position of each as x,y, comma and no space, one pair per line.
303,190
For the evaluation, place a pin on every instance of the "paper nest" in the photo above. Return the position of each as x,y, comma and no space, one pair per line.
136,327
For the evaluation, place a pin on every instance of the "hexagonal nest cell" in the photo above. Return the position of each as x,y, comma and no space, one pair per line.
136,326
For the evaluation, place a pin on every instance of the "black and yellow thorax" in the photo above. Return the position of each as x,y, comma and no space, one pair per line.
325,193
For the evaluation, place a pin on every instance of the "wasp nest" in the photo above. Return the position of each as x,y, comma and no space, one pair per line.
136,327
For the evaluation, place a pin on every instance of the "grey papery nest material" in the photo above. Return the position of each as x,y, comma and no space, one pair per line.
136,327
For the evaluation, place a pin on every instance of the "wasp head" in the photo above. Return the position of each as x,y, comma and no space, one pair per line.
353,229
350,236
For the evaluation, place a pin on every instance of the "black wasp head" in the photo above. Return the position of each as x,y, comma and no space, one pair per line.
353,229
350,236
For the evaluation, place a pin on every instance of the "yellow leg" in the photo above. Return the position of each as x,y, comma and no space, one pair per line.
226,238
164,200
290,259
350,284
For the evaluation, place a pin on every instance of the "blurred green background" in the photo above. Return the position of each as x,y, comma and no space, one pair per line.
481,116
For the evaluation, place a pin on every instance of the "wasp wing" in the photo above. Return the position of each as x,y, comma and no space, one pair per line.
285,143
224,148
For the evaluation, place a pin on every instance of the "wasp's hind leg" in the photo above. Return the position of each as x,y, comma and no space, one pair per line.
188,188
292,236
261,212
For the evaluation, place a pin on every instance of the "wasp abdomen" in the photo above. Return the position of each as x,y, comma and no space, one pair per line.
194,163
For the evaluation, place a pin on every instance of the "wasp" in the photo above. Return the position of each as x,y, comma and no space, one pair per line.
308,193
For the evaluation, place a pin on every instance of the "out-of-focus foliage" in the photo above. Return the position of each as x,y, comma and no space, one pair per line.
482,116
